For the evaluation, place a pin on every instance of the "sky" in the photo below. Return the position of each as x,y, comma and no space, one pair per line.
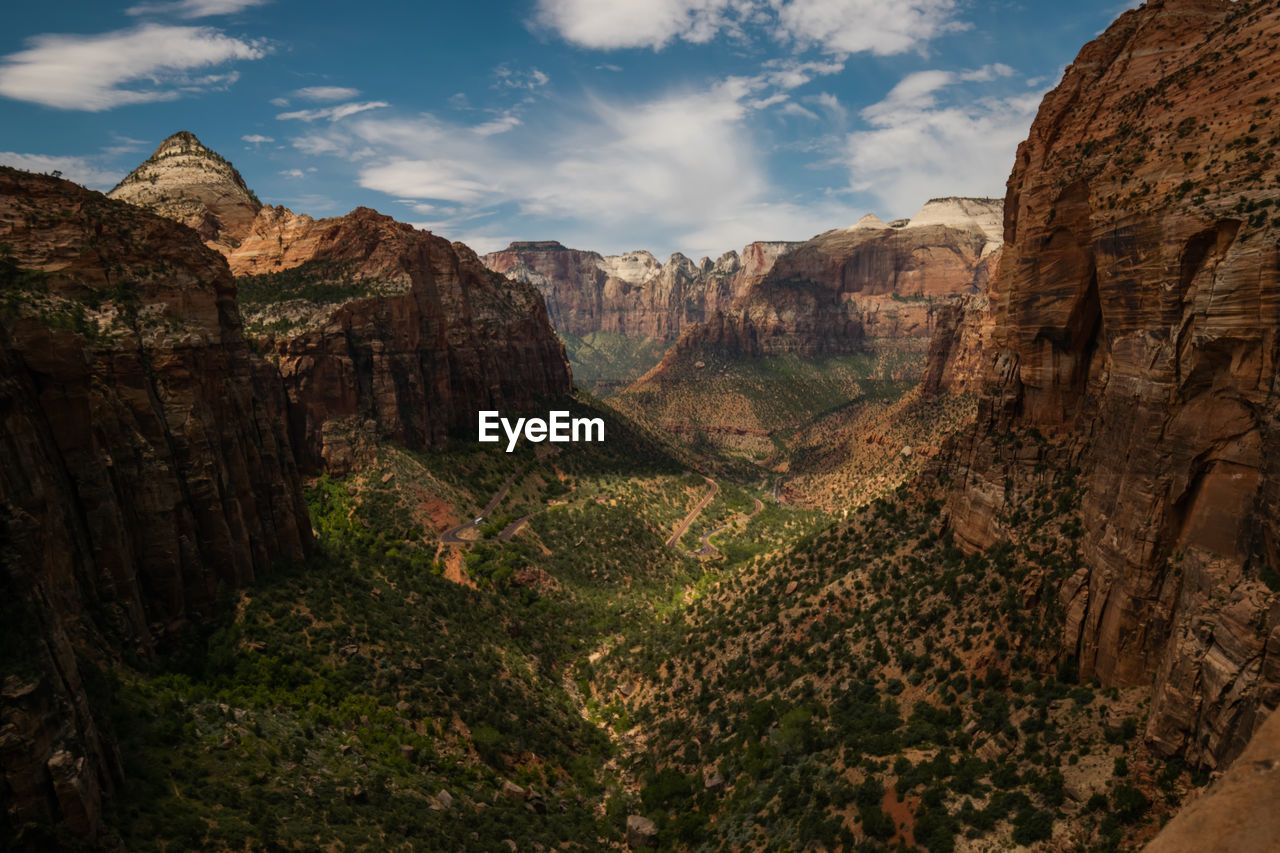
669,125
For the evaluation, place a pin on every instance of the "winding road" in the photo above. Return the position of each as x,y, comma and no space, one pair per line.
453,536
688,519
709,550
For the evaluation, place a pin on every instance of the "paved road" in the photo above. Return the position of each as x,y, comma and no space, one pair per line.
452,536
688,519
512,529
709,550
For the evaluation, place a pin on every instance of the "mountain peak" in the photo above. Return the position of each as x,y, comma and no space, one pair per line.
971,214
189,182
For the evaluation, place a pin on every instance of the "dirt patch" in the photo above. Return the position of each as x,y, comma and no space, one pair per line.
455,570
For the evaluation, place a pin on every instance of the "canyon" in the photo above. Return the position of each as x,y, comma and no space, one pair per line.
956,532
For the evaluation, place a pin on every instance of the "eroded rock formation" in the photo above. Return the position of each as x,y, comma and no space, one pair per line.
144,465
632,294
1136,321
379,330
188,183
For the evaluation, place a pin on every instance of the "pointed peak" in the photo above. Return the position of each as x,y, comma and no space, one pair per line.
867,222
189,182
182,142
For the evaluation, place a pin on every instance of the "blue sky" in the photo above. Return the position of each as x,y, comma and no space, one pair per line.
671,125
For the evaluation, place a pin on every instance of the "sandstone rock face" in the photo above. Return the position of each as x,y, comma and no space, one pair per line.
1136,317
961,341
188,183
418,338
632,294
378,330
144,463
867,287
1238,812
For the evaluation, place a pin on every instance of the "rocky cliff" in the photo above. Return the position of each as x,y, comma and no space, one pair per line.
632,294
1136,329
379,330
384,331
144,466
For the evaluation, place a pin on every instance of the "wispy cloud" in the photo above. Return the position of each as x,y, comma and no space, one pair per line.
257,138
920,143
326,93
194,8
151,62
334,113
865,26
498,125
678,170
506,77
635,23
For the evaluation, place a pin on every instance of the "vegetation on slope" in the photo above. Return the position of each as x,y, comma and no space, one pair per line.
365,700
876,686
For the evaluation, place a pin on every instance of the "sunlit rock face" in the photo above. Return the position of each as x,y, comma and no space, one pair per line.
379,330
1136,313
189,183
633,294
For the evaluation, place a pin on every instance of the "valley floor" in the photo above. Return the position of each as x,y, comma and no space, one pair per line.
620,635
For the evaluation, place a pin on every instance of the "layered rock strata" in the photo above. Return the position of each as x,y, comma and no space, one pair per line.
633,294
380,331
1136,326
144,466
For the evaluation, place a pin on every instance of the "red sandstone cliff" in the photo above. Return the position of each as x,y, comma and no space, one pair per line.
1136,325
632,294
144,463
379,330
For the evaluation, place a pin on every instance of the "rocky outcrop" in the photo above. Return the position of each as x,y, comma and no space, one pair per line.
188,183
1137,327
632,294
867,287
380,331
144,465
384,331
1238,812
961,342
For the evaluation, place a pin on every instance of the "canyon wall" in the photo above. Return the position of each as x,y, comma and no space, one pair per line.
379,330
1134,326
632,294
144,466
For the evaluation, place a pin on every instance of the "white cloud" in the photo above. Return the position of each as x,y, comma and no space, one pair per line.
918,147
448,180
82,170
865,26
791,108
639,23
837,27
336,113
293,173
148,63
194,8
325,93
497,125
682,170
506,77
257,138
